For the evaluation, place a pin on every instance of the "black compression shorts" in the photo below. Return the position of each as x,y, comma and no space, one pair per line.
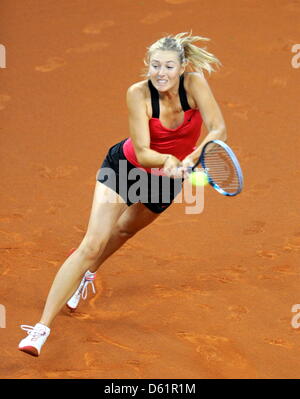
135,185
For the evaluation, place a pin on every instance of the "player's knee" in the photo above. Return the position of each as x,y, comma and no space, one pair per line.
124,232
91,248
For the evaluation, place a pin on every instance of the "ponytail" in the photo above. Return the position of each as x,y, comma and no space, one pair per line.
196,57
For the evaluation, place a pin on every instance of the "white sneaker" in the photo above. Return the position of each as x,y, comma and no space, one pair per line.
82,290
36,338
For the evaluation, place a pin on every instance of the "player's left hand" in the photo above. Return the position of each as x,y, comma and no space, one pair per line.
172,167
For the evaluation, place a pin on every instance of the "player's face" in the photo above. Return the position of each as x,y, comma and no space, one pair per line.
165,69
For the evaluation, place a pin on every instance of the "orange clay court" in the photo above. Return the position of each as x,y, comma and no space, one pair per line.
192,296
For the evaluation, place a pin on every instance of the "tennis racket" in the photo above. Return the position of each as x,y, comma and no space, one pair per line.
221,167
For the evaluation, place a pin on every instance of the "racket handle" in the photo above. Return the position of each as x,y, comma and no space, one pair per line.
191,169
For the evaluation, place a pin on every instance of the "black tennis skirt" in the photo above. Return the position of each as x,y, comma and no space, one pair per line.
135,185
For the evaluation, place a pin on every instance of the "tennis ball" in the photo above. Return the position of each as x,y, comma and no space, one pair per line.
198,179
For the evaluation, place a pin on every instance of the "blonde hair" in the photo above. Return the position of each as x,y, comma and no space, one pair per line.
196,58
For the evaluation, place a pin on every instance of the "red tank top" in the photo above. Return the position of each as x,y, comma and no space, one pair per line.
179,142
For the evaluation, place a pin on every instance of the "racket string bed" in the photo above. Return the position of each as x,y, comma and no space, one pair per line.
222,168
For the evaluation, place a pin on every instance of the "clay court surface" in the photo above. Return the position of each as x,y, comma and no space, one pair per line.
192,296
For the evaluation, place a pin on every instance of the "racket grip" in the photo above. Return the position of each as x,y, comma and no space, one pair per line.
190,169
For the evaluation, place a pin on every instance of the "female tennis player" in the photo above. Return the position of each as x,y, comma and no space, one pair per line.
166,112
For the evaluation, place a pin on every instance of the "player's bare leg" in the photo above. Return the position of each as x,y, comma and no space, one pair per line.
104,216
134,219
